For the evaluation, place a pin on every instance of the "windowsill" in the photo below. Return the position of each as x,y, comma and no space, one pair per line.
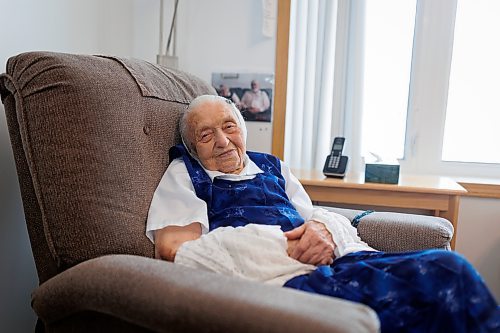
480,187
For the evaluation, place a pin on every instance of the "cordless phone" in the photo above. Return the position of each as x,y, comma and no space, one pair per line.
336,163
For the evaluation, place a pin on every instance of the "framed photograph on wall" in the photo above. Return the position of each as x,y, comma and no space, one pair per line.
252,93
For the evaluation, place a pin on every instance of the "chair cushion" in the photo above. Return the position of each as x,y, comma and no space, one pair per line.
95,133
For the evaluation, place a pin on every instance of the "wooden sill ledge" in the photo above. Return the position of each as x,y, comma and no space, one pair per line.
482,188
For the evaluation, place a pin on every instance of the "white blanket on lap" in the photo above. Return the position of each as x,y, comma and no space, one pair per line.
258,252
255,252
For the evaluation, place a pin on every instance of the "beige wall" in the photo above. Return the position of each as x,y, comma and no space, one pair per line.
213,36
478,237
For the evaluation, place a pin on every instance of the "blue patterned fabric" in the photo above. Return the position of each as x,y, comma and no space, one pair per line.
423,291
261,200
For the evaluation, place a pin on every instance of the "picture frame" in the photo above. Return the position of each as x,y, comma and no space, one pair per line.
252,93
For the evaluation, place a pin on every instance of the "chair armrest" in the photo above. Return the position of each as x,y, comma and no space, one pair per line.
167,297
396,232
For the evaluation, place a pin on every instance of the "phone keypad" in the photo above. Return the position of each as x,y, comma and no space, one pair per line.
334,161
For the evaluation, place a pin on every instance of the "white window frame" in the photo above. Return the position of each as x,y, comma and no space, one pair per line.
431,63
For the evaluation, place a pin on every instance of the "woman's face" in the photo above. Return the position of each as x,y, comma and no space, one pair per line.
217,138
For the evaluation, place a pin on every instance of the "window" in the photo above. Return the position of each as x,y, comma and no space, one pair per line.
433,99
388,36
414,80
473,112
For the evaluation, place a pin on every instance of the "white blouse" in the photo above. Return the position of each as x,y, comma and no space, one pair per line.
175,203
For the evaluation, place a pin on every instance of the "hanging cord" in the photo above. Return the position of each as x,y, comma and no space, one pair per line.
161,28
172,26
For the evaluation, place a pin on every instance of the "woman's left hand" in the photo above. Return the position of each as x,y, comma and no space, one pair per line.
311,243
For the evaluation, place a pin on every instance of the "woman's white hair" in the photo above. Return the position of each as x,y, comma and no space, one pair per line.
195,103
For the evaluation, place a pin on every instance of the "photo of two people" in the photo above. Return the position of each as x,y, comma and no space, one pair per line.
251,93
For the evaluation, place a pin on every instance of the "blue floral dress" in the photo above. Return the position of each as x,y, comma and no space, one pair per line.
421,291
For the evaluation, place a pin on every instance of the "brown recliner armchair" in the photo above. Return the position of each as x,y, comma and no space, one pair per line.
90,136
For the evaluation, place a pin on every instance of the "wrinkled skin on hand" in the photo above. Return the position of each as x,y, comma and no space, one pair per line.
311,243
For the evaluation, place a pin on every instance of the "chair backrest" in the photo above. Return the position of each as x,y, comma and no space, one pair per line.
90,135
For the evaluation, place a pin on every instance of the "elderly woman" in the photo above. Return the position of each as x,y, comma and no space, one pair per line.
244,213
